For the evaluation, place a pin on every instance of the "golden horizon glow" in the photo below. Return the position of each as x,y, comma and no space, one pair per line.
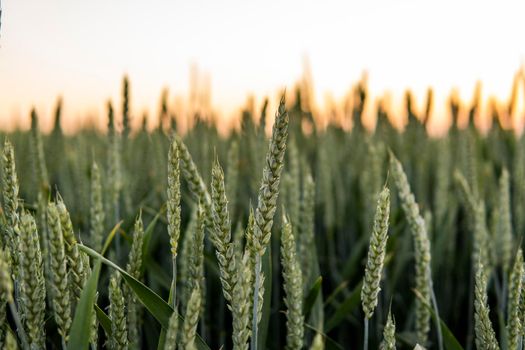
81,50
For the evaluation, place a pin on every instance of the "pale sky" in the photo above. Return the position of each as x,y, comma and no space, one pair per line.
81,49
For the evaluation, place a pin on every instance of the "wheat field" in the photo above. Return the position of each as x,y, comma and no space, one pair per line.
307,238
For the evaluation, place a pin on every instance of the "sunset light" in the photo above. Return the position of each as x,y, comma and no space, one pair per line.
235,49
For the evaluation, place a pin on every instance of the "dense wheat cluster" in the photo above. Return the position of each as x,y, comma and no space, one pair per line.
308,239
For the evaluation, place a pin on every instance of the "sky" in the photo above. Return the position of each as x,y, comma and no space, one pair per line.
80,50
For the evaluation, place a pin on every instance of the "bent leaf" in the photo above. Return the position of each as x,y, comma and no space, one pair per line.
151,300
82,322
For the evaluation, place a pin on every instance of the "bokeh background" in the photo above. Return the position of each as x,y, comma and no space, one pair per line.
213,55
